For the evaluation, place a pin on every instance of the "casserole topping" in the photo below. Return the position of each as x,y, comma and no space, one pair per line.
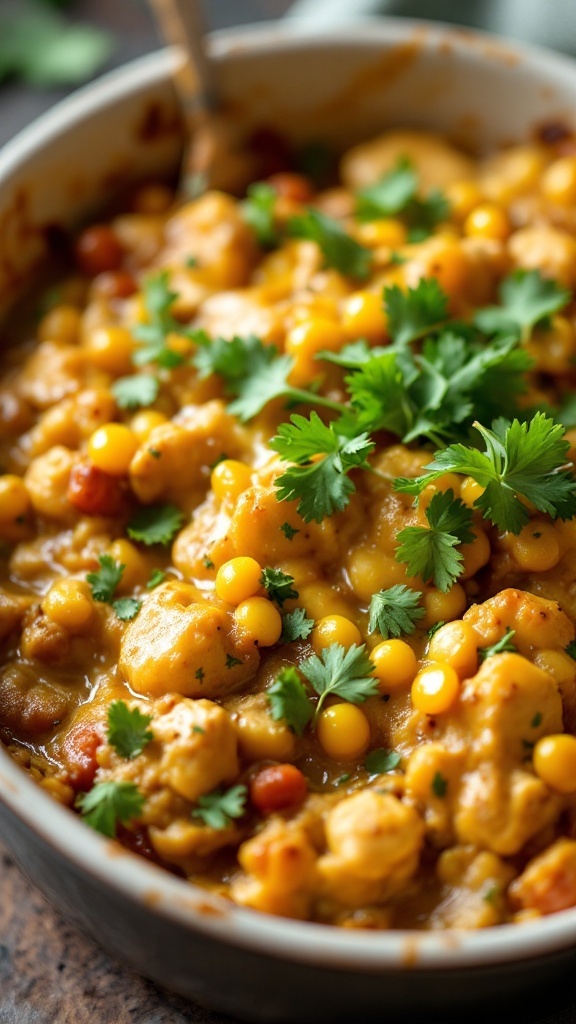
288,537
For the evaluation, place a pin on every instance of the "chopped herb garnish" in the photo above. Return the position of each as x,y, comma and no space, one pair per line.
199,730
434,629
395,611
109,803
296,626
527,298
571,649
380,761
199,674
341,673
537,720
339,249
155,524
430,551
219,808
289,700
207,562
155,453
278,585
289,531
395,194
258,212
231,661
126,608
439,785
128,729
416,312
342,779
156,576
501,645
135,392
104,582
153,336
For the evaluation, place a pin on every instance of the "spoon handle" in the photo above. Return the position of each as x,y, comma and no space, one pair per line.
183,24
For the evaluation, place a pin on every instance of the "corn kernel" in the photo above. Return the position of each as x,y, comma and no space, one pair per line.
110,348
61,324
229,479
470,491
441,607
136,565
363,316
238,579
14,499
487,221
463,196
308,338
144,422
455,644
260,619
536,548
334,629
395,663
69,604
435,688
343,732
112,447
555,762
388,231
559,181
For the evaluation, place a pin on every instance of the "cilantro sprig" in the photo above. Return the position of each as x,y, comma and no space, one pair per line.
396,194
338,248
155,524
501,645
104,582
278,585
431,551
395,612
339,672
109,803
137,391
219,808
527,299
520,461
128,729
258,212
296,626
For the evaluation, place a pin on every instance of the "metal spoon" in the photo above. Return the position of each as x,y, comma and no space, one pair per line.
213,157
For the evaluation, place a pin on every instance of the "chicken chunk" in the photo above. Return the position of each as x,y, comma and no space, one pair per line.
546,249
537,623
52,372
548,883
72,420
175,460
476,884
13,607
178,644
437,163
47,480
280,871
374,842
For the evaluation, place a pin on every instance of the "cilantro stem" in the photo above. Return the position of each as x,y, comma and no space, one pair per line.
311,398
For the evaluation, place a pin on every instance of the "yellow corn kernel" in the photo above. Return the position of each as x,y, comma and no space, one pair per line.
441,607
450,266
238,579
61,324
69,604
463,197
363,316
321,599
553,347
537,547
111,448
555,762
435,688
260,619
388,231
558,182
470,491
229,479
136,565
260,738
475,554
110,348
369,570
343,732
14,499
487,221
308,338
334,629
395,664
144,422
455,644
446,482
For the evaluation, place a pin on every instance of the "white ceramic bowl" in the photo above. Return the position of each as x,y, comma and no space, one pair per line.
341,87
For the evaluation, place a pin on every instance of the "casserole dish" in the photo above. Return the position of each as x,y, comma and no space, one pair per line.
388,74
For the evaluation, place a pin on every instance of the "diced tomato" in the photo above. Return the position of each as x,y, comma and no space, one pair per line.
277,786
79,753
98,250
295,187
94,492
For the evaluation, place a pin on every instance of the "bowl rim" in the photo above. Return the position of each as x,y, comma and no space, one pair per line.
138,880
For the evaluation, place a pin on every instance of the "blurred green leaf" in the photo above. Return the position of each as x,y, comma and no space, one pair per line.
42,48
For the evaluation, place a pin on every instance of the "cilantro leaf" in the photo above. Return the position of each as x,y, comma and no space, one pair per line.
339,249
571,649
289,700
155,524
527,298
389,195
296,626
136,391
126,608
416,312
128,729
108,803
218,808
520,460
381,761
156,576
322,486
503,644
429,551
439,785
396,194
278,585
289,531
258,212
395,612
153,336
344,673
104,582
